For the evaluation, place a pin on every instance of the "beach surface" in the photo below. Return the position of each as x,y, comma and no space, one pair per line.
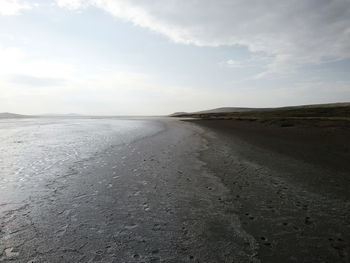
169,190
289,186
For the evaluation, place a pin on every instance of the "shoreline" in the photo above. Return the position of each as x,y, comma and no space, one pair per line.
148,200
193,191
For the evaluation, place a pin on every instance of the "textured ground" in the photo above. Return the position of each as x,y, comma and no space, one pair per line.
170,191
289,186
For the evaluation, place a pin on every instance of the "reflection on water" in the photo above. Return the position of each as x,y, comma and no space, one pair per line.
34,149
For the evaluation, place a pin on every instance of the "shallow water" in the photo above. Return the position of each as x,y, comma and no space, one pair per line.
107,190
31,150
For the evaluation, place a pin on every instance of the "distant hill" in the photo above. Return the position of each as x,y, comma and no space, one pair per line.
177,114
216,110
8,115
61,115
327,105
330,110
227,109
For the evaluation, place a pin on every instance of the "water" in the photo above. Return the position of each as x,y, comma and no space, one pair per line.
33,150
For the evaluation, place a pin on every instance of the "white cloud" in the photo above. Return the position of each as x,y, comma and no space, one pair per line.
72,4
294,32
13,7
234,64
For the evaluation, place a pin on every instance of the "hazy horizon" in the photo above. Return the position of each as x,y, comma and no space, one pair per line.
155,115
127,57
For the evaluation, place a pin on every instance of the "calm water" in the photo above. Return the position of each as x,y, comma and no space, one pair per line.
32,150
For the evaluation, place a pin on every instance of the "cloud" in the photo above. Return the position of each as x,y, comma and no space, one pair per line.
13,7
294,32
72,4
234,64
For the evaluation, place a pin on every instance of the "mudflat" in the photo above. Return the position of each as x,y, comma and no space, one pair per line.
113,191
168,190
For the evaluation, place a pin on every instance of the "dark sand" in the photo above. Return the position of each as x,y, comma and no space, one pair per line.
201,191
289,186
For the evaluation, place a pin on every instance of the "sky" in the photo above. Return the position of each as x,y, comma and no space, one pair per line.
154,57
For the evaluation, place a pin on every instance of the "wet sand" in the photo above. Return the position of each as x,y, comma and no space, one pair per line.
289,186
147,200
184,192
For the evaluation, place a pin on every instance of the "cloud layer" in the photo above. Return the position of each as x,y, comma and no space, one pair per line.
280,35
294,32
12,7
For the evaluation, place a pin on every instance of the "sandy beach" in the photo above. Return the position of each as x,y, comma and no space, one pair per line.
167,190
